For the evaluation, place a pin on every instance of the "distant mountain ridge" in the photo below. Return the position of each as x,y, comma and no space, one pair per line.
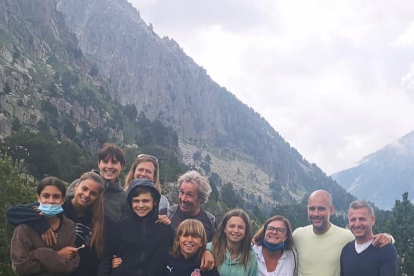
383,176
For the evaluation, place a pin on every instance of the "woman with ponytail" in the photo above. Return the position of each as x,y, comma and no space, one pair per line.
86,209
274,248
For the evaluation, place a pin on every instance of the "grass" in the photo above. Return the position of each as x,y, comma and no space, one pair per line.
42,74
56,64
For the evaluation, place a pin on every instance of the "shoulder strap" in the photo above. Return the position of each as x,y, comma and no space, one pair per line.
212,221
171,211
296,267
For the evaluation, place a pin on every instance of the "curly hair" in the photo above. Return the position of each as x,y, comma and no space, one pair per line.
204,189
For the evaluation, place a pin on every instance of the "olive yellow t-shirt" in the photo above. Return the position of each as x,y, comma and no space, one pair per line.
319,255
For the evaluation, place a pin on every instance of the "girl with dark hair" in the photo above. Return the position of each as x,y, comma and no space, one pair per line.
86,209
189,244
231,245
30,255
111,161
274,248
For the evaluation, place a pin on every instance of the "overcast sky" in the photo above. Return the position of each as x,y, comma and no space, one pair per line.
334,77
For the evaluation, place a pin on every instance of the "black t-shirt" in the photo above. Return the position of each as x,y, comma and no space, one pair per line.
186,267
201,216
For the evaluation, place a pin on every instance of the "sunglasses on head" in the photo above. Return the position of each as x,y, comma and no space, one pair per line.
153,158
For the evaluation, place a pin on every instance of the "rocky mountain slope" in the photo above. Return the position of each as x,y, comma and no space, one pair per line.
75,83
47,84
383,176
156,76
35,51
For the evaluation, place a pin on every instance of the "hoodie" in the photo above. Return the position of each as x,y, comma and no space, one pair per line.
31,256
141,243
231,267
113,197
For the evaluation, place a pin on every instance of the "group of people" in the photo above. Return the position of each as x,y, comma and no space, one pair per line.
99,227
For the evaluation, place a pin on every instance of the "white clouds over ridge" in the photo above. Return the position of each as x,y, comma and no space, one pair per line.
334,78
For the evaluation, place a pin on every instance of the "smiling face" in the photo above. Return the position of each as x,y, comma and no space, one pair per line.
50,195
190,244
361,224
145,170
319,212
235,230
86,193
188,197
143,204
110,168
275,232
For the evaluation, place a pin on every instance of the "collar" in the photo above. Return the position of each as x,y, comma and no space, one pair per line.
111,186
258,249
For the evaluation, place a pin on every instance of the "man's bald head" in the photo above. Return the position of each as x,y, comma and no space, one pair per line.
320,209
321,194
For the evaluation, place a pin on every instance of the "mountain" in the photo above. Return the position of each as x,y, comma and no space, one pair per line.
383,176
53,101
87,68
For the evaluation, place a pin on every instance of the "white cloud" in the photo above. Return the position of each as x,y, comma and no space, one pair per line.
333,77
406,39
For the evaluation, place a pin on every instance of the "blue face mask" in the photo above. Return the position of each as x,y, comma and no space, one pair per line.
273,247
50,210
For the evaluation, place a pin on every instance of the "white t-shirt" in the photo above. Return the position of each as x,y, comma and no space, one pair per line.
359,247
286,265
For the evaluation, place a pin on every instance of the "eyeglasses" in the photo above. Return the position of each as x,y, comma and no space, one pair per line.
153,158
278,230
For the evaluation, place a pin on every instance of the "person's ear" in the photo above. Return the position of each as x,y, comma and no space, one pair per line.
332,209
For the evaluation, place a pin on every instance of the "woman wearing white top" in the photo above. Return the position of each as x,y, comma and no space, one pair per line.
274,248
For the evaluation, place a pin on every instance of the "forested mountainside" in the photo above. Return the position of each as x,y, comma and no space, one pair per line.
89,87
383,176
156,76
55,106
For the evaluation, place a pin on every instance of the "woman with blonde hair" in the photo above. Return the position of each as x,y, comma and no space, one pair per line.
189,244
231,246
146,166
274,248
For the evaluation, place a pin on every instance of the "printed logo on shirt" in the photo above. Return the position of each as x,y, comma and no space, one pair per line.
170,268
196,272
83,232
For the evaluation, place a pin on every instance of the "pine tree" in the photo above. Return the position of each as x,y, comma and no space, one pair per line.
401,226
13,191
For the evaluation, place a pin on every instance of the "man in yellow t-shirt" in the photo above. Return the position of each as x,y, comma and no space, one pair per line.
319,245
